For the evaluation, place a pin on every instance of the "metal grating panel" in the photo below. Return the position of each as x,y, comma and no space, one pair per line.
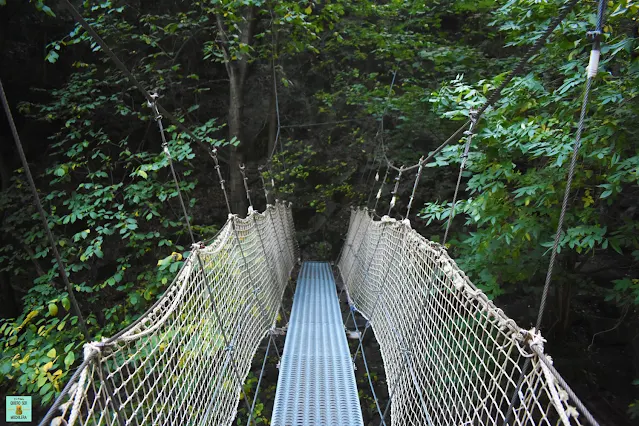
316,384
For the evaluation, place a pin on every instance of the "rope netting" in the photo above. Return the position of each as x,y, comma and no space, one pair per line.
184,362
450,355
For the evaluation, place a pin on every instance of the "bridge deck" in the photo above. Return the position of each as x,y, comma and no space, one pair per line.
316,384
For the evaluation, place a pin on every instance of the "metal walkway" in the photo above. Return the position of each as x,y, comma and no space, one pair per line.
316,384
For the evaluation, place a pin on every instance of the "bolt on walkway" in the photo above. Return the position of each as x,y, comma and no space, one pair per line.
316,383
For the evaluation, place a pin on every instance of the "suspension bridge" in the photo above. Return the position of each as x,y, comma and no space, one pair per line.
451,357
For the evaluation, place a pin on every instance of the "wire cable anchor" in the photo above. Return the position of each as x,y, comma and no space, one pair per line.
394,198
246,187
221,179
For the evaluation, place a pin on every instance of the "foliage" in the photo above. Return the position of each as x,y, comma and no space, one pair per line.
517,169
113,205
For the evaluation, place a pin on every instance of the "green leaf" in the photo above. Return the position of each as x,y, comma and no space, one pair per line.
53,309
44,389
66,303
41,381
51,353
46,9
142,174
69,359
52,56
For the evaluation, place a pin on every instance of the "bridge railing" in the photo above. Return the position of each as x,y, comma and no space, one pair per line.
185,360
450,355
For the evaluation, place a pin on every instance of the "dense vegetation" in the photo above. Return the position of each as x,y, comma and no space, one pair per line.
226,67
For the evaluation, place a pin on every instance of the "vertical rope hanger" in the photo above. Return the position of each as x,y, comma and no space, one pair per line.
394,193
388,268
260,170
359,224
377,198
274,277
195,245
379,302
259,234
370,193
591,73
469,137
266,194
417,178
381,189
43,217
246,187
237,237
593,66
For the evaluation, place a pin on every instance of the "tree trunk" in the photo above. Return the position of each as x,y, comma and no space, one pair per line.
237,69
236,185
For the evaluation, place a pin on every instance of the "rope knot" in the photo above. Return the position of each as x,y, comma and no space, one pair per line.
154,97
198,246
530,339
387,219
472,114
534,338
165,148
93,348
153,104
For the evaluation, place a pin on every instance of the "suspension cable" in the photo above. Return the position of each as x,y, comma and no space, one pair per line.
592,69
518,70
593,66
43,216
150,98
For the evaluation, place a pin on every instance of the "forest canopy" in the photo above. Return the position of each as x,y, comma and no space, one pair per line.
320,84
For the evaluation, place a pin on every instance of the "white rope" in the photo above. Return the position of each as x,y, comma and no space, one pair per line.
466,355
172,367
